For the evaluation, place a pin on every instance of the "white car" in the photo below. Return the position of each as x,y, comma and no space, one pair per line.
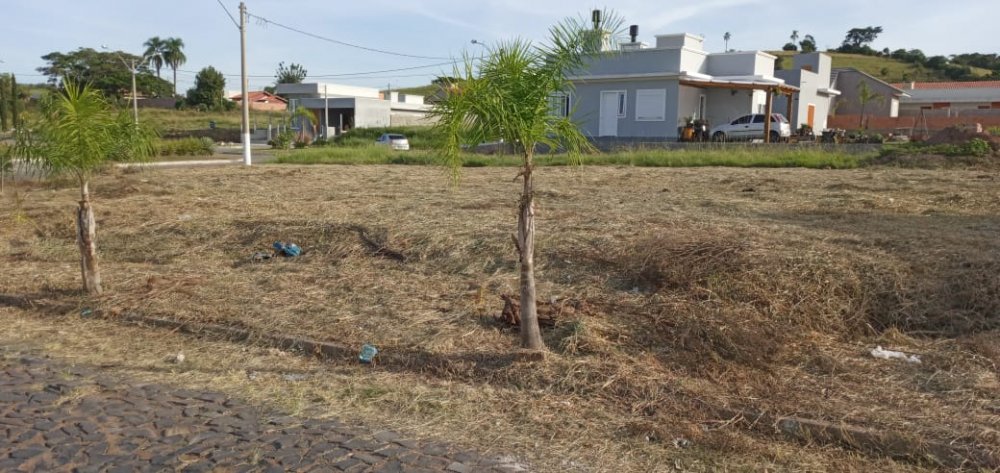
396,141
750,127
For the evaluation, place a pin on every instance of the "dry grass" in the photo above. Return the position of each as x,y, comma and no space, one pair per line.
709,287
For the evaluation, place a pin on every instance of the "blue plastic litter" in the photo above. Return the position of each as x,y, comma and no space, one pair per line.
368,353
287,249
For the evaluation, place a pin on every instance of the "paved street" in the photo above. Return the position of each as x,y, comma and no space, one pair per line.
60,418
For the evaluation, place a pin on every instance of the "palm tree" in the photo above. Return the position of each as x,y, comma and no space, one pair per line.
154,51
507,95
173,55
867,95
726,37
795,36
77,134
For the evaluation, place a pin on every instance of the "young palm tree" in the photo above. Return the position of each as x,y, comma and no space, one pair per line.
508,96
155,48
173,55
726,37
867,95
77,134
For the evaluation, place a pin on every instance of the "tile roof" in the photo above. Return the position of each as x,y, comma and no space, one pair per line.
982,84
259,96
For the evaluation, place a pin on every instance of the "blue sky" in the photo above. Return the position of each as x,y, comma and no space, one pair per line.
444,28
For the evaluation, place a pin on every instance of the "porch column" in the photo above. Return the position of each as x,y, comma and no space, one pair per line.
767,115
789,114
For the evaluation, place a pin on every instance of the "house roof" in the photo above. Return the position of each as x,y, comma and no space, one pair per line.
896,87
259,96
982,84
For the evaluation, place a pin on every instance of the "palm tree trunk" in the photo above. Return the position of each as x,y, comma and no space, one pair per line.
175,81
86,237
531,336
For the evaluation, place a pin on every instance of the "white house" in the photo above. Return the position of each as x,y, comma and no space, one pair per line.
647,92
343,107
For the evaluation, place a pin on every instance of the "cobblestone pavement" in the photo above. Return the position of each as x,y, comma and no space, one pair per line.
61,418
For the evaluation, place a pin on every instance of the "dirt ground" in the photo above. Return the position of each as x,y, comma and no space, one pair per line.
680,295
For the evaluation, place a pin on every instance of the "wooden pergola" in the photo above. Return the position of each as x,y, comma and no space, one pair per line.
771,89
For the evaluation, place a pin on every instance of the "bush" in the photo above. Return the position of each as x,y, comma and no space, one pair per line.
185,147
977,147
282,140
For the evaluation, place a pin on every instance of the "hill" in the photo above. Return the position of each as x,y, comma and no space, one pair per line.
425,90
885,68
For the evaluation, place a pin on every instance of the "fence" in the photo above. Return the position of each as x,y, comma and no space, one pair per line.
891,124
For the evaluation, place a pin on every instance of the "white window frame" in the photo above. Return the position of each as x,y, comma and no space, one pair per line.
663,112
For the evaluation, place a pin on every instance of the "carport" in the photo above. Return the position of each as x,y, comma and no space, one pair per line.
770,88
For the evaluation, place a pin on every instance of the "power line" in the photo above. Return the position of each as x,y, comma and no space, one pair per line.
235,23
344,74
342,43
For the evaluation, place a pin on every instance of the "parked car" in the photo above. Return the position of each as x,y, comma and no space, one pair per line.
750,127
396,141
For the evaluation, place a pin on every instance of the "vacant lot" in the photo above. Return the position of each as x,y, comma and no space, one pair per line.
682,298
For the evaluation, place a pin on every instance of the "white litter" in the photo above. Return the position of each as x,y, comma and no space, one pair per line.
879,352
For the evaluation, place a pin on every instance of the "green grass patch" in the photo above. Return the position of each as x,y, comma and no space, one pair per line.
885,68
185,147
167,120
728,157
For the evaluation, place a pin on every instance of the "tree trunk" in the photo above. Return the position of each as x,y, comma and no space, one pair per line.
531,335
85,237
175,81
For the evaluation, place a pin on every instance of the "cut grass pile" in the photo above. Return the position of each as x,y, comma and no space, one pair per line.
754,289
734,156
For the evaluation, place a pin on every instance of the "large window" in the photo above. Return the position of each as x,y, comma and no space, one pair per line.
650,105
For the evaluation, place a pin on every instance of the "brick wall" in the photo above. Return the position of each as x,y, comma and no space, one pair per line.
890,124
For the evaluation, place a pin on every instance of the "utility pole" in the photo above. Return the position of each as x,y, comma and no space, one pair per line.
243,83
326,114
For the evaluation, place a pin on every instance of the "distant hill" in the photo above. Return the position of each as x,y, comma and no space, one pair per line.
885,68
425,90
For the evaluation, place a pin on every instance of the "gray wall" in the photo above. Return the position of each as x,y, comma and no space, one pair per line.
635,62
587,103
847,104
371,113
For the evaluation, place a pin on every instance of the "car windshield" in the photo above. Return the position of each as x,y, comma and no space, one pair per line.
395,137
777,117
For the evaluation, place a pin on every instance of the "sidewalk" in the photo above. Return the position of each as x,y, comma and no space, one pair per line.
62,418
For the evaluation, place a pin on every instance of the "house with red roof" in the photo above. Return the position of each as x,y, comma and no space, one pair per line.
262,101
950,99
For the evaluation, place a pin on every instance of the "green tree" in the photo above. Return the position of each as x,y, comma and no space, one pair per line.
507,95
4,104
794,36
154,51
107,72
293,74
808,44
78,133
726,37
209,89
173,56
859,39
15,103
867,95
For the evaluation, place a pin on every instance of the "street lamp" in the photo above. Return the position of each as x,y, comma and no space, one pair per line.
133,68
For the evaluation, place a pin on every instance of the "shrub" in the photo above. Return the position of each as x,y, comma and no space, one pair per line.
977,147
185,147
282,140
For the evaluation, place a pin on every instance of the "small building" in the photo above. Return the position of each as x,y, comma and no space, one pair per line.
646,92
262,101
849,81
343,107
951,99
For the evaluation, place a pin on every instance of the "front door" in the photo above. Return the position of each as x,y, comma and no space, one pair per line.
811,116
608,125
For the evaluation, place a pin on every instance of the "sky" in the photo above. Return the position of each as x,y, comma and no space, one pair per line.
441,31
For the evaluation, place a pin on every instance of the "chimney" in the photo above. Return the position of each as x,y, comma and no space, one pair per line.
633,31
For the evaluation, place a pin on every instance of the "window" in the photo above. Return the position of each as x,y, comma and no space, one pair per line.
560,104
742,120
621,104
650,105
758,118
